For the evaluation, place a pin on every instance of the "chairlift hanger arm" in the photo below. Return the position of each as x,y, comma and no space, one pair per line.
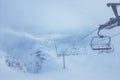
113,22
114,8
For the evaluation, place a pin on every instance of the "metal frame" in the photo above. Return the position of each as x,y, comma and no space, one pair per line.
105,46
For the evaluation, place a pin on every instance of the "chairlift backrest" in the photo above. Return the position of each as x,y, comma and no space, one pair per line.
101,43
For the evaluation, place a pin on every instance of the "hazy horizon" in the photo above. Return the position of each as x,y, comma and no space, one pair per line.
54,16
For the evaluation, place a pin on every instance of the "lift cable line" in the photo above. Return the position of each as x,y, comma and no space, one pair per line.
87,35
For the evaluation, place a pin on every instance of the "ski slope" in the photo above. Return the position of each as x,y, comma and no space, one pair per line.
89,66
84,67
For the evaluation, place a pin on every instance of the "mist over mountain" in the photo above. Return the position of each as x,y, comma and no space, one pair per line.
56,16
54,39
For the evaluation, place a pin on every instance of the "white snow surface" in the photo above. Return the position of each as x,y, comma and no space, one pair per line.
90,66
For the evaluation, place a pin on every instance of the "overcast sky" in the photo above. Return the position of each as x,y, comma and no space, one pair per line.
54,16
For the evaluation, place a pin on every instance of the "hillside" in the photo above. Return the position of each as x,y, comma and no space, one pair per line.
18,48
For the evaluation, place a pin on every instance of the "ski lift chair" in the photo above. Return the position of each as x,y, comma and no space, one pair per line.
101,43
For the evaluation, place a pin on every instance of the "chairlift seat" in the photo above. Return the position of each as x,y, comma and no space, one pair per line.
101,43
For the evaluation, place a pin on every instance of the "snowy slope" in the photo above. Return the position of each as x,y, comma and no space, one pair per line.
23,52
84,67
89,66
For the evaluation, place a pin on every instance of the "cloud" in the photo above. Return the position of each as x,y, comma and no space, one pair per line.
53,16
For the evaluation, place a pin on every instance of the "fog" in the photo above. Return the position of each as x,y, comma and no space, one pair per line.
54,16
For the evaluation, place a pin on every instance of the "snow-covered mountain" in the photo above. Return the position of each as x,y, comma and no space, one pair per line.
22,51
31,54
